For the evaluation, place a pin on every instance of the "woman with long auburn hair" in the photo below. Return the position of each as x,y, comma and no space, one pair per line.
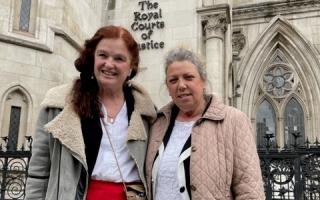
91,136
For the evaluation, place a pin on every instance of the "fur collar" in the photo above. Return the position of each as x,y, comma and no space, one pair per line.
66,126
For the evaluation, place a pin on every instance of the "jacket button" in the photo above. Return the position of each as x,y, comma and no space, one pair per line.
182,189
193,188
193,148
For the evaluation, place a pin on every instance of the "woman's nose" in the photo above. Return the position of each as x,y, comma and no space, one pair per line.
181,85
108,62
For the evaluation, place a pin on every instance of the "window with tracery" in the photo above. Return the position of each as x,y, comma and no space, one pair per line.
278,80
279,113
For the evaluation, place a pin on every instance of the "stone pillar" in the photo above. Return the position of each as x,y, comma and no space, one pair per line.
215,28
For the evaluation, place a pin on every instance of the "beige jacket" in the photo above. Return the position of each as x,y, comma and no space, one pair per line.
224,163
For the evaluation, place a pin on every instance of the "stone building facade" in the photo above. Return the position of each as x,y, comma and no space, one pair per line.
39,40
262,56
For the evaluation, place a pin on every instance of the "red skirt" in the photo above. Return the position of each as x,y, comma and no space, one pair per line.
103,190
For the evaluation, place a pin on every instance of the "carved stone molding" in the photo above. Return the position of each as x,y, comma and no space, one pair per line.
214,26
268,9
238,42
13,39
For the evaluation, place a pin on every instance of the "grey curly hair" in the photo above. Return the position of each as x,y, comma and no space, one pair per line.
183,54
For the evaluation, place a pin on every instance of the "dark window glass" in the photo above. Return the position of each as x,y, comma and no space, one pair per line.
14,127
111,4
25,15
294,123
265,122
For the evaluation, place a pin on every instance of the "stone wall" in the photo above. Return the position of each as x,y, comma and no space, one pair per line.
34,63
181,27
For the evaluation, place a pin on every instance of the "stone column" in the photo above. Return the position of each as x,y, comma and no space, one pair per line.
215,28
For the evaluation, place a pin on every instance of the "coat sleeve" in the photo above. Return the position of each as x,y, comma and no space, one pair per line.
39,165
247,181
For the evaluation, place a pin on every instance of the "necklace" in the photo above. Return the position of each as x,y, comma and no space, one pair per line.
111,119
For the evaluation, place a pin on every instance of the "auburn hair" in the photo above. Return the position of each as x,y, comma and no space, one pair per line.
84,94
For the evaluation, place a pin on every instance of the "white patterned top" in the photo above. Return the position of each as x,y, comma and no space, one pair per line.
167,186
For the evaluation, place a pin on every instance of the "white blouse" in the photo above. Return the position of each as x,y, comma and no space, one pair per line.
106,167
167,186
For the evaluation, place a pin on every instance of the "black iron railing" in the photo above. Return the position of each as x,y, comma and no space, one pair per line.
289,173
13,169
292,172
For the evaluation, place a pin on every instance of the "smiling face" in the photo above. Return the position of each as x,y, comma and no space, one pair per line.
185,86
112,64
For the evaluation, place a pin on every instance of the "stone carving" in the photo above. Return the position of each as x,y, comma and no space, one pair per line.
238,42
278,59
215,25
273,8
278,81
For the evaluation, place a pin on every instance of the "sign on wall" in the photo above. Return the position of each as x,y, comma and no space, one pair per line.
147,20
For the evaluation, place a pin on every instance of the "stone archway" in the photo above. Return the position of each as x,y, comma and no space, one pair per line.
281,40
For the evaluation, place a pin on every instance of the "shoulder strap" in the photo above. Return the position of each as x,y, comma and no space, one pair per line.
114,154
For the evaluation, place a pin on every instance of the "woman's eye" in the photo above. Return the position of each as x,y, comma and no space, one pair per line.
102,55
190,77
172,80
119,59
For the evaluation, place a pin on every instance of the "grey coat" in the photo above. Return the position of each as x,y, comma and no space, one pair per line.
58,153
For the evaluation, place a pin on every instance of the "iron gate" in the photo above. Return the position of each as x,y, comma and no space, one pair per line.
292,173
13,169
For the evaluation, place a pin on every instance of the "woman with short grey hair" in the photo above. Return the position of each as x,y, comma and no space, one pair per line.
183,54
200,148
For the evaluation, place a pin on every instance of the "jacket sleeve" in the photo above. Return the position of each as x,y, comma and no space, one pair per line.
39,165
247,181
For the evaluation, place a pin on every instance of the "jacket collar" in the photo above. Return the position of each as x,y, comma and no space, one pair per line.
143,106
66,126
216,109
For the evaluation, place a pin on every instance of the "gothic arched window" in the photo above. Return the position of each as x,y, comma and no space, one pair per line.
15,118
281,115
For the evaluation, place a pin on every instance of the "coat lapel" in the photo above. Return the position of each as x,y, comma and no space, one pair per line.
66,127
143,109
